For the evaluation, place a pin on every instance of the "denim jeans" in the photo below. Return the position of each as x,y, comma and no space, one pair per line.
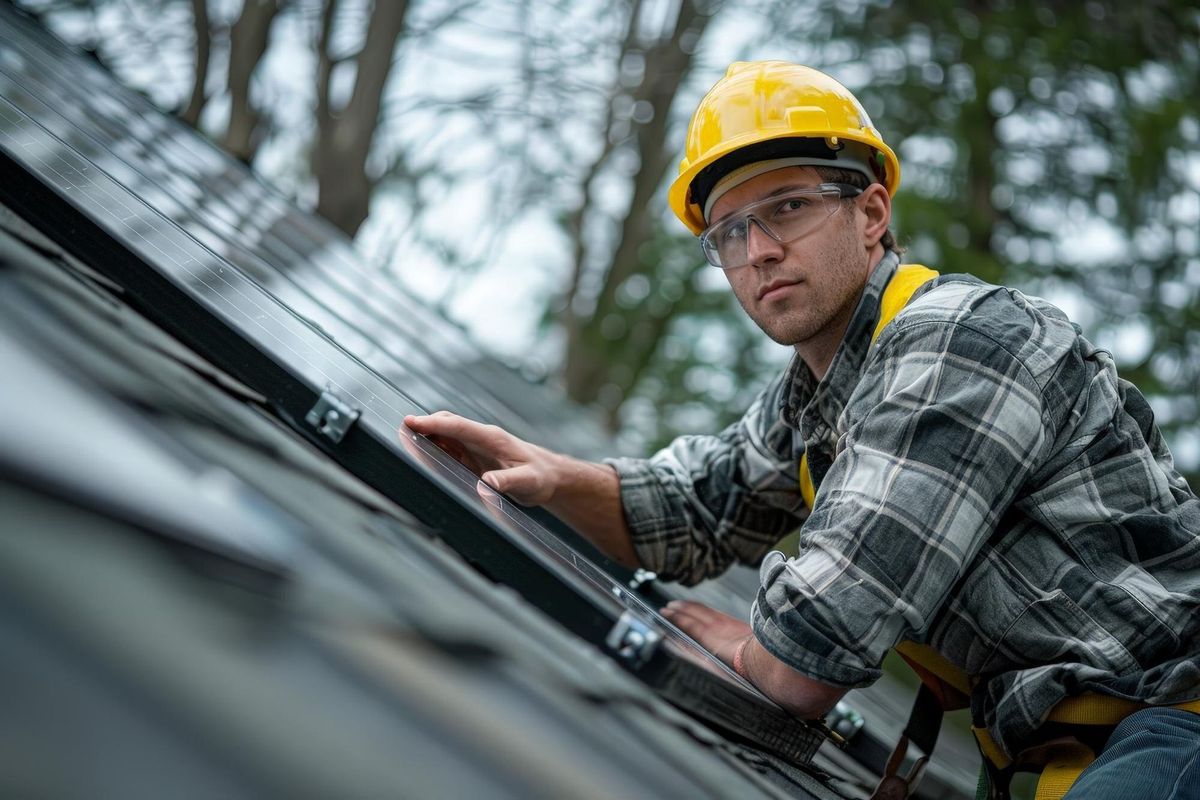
1152,754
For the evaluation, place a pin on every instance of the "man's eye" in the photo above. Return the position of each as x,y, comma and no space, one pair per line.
734,233
791,205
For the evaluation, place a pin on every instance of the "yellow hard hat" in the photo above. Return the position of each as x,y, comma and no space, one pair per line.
765,110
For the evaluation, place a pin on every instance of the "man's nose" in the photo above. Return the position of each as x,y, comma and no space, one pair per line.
761,246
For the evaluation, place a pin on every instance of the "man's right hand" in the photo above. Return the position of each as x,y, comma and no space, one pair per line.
525,472
586,496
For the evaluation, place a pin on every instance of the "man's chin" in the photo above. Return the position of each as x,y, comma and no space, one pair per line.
786,335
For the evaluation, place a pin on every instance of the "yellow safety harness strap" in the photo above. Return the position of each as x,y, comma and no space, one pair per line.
900,289
1069,759
1099,709
1062,770
806,485
925,660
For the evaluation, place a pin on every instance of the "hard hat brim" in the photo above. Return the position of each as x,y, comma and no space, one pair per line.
692,215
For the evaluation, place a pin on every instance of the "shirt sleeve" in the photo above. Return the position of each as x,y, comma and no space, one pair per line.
942,430
705,501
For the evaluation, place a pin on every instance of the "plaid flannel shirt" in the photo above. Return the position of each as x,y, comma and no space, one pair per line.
986,485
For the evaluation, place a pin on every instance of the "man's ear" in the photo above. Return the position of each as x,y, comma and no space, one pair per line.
876,205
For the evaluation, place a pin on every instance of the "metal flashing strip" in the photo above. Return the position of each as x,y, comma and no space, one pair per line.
70,187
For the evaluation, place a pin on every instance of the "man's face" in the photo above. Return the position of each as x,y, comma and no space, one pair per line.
806,289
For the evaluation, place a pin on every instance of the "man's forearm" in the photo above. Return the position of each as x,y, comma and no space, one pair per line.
587,496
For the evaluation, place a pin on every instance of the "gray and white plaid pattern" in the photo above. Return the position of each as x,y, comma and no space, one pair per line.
987,485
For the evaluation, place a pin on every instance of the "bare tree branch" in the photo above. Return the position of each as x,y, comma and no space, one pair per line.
325,65
575,222
433,26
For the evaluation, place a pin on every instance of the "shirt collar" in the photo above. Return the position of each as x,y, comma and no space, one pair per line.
811,404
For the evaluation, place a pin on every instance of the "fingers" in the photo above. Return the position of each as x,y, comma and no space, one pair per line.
476,446
474,435
451,446
689,617
502,461
714,630
687,609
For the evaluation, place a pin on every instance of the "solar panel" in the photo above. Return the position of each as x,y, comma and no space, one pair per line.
304,260
236,273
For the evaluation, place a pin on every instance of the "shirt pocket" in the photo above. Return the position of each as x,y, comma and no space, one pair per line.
1053,629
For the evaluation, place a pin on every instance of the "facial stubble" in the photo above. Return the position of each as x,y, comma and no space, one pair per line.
843,274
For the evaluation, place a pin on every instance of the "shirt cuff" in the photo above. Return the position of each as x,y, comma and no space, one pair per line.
790,637
648,512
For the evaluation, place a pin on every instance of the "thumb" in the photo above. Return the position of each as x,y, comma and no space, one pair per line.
523,483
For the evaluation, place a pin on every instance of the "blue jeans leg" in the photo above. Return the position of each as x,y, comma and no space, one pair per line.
1153,754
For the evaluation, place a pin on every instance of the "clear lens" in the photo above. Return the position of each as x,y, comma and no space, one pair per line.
785,219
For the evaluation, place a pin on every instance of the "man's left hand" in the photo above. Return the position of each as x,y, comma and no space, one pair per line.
723,635
718,633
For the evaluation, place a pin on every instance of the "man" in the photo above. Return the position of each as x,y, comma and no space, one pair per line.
969,472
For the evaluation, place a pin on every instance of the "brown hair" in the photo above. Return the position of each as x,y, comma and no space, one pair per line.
861,181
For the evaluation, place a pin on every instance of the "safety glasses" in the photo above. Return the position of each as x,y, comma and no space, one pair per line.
785,218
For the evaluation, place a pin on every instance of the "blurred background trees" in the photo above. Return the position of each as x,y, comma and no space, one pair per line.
507,161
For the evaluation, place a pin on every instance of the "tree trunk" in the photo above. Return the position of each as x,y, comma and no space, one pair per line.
572,319
191,114
667,64
344,136
247,44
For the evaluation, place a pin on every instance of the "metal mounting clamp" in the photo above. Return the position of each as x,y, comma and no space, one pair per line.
331,416
633,639
641,578
844,721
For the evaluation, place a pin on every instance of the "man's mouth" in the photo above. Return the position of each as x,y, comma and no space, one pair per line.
774,286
